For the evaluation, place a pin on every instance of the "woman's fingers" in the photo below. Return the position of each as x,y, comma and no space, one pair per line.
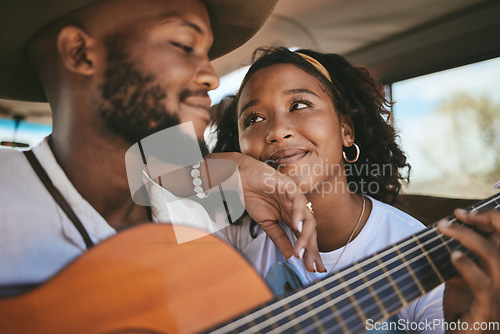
311,258
278,236
301,221
298,212
271,197
306,229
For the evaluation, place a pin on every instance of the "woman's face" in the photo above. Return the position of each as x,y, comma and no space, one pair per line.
286,118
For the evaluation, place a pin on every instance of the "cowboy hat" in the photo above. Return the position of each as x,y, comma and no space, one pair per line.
233,23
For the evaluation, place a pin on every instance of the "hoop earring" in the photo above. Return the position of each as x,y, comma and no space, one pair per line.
357,154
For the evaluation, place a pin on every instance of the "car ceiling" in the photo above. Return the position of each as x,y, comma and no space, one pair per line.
396,39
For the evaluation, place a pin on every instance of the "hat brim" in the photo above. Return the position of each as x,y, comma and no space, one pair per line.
233,23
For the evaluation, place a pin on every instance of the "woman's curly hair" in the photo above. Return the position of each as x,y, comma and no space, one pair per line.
355,94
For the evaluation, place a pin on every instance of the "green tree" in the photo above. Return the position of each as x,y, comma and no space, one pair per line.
465,112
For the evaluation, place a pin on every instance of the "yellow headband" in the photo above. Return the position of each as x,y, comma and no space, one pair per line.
318,66
321,69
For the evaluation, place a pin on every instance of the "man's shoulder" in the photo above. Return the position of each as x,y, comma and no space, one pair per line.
14,163
7,152
10,159
15,172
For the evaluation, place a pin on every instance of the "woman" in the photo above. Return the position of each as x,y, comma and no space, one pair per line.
324,123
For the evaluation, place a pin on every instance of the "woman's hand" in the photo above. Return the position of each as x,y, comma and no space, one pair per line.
271,197
474,296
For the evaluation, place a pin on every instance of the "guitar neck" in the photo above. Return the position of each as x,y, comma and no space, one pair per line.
375,288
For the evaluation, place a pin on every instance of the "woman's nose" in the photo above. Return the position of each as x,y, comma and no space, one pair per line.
279,130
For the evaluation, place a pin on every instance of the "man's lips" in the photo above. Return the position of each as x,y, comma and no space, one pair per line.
286,156
199,103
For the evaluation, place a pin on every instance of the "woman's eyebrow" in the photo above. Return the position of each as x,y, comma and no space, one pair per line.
248,105
299,90
287,92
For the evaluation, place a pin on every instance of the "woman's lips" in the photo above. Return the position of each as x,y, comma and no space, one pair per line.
287,156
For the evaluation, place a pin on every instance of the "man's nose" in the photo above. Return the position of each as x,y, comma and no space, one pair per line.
206,76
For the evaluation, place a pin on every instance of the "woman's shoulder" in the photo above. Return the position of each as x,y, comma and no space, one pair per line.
386,225
386,212
389,224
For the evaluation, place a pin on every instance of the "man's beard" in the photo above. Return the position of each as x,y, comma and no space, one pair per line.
133,104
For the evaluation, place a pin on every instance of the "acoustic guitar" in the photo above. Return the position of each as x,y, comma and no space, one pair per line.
142,281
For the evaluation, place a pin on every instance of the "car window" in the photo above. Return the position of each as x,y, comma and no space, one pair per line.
449,125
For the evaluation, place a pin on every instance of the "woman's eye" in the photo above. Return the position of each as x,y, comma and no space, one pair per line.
185,48
252,119
299,105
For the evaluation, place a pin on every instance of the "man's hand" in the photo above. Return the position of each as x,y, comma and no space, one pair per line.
271,197
474,297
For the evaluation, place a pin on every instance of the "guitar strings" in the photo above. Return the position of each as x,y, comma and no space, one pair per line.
379,311
346,295
326,281
392,294
273,306
347,321
304,291
314,287
423,277
355,317
378,255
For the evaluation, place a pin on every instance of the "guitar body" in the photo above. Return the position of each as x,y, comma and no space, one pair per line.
141,280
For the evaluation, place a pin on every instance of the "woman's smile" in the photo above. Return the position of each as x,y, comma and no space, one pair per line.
286,156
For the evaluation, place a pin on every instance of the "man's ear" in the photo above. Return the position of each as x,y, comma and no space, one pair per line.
77,50
347,130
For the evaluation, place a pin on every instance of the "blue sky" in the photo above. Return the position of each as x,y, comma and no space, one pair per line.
30,133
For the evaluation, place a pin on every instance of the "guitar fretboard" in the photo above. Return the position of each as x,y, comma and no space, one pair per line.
375,288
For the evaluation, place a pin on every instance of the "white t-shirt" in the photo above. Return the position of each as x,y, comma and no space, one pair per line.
385,226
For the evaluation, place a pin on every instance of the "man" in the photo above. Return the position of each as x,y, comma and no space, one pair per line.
113,72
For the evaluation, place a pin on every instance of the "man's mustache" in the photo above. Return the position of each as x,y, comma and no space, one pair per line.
193,93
